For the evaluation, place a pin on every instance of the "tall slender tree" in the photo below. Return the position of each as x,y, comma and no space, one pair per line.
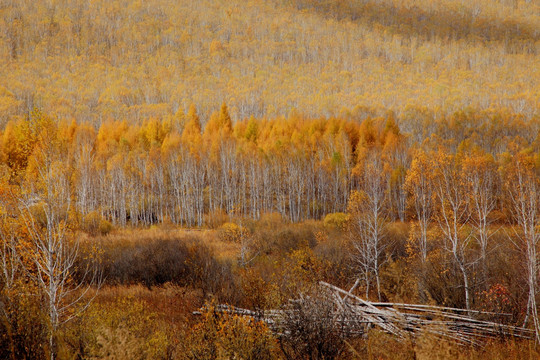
367,225
522,185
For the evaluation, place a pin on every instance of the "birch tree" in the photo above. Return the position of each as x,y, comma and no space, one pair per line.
419,186
523,188
367,226
44,207
10,267
480,177
453,215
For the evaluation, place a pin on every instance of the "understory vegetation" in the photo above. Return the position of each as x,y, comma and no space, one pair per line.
154,279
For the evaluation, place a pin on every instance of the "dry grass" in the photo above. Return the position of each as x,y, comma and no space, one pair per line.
134,322
382,346
172,303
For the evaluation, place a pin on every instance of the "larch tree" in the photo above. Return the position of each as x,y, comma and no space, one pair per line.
191,134
397,159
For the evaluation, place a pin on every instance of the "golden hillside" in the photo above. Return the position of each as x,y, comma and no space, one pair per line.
124,59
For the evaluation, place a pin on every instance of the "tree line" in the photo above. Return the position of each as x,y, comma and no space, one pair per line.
176,171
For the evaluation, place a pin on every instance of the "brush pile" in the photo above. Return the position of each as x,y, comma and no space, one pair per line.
347,313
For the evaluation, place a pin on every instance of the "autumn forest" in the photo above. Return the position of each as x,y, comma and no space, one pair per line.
163,162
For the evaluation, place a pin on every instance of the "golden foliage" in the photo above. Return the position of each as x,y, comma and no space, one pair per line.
266,58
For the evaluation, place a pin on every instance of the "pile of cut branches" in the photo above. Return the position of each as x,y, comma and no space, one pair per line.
340,310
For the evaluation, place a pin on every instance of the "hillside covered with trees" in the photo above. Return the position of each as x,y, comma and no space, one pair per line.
158,158
102,60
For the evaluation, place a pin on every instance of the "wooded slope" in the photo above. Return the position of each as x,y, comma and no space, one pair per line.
133,60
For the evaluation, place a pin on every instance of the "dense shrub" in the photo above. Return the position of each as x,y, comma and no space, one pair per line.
121,328
284,238
104,227
335,220
23,333
231,232
94,224
154,260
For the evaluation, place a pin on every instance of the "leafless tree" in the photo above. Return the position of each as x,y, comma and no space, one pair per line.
10,270
453,215
523,188
367,226
481,182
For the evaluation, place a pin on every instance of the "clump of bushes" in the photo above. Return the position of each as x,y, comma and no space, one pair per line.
155,259
280,237
231,232
335,221
23,331
120,328
94,224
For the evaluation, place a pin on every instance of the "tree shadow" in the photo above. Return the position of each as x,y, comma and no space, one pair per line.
414,22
